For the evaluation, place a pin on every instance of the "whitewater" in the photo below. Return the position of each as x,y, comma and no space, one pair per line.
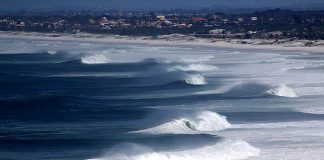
86,100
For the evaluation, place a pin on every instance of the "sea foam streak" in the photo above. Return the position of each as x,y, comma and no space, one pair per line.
195,79
224,150
51,52
195,123
258,89
95,59
282,91
166,72
192,67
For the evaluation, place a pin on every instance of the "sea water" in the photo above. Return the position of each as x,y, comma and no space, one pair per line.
70,100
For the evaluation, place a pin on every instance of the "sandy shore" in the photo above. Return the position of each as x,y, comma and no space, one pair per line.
310,46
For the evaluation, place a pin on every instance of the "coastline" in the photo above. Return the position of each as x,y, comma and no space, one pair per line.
294,45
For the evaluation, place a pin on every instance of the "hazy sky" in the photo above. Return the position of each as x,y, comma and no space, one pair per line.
150,4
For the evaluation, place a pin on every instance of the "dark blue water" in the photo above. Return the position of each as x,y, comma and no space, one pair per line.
48,117
54,106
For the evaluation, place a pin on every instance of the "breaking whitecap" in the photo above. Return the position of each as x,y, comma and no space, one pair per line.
193,123
227,149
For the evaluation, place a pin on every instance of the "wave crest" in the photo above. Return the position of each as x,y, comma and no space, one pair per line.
194,123
192,67
195,79
95,59
282,91
259,89
166,72
225,150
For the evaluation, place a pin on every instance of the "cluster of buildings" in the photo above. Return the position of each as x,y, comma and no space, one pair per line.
267,24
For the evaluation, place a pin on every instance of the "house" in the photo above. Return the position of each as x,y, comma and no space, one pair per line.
254,18
198,19
161,18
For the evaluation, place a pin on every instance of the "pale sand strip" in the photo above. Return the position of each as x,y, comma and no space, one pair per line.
176,39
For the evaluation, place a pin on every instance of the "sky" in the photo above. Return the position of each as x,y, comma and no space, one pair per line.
153,4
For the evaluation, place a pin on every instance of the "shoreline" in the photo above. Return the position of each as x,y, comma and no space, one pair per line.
310,46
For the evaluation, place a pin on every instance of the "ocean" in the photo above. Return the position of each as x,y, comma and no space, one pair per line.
77,100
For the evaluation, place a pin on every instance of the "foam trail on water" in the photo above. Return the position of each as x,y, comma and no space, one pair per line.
195,60
195,123
311,110
95,59
300,124
252,89
195,79
192,67
224,150
282,91
52,52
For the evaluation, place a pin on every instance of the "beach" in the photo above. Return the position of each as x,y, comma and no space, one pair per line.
311,46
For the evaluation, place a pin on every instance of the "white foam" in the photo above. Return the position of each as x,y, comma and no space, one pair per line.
300,124
294,68
282,91
311,110
195,79
195,60
84,44
224,150
257,89
95,59
115,50
42,44
236,52
198,122
307,67
51,52
192,67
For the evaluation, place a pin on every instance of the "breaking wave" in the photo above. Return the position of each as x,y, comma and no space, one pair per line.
192,67
195,60
195,79
166,72
259,89
166,78
179,65
314,67
95,59
194,123
51,52
282,91
60,53
311,110
161,72
225,150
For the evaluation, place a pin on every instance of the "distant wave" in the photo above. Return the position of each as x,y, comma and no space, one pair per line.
195,60
97,74
180,65
194,123
311,110
282,91
314,67
95,59
192,67
287,125
166,72
51,52
160,78
195,79
162,71
156,71
227,149
259,89
59,53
